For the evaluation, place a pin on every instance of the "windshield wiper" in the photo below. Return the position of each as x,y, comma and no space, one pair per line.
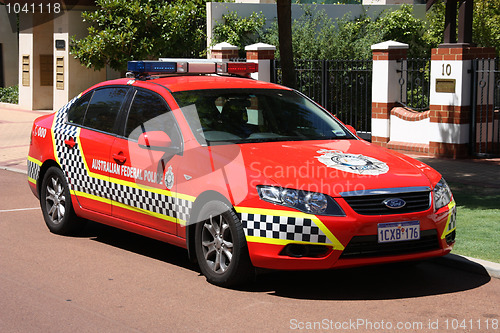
276,139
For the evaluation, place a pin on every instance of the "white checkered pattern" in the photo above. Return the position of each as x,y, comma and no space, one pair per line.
33,170
282,227
72,163
453,220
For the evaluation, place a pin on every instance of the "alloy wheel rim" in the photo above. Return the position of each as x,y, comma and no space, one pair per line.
217,244
55,200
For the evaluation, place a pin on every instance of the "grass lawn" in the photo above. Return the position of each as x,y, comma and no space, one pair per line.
478,221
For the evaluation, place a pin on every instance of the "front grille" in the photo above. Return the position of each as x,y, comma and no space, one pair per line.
374,204
368,246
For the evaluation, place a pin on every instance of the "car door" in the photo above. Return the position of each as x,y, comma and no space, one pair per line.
89,166
149,150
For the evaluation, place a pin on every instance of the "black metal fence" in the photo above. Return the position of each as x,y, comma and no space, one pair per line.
485,124
344,87
414,82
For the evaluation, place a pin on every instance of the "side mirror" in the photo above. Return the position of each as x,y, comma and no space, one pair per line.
155,140
352,129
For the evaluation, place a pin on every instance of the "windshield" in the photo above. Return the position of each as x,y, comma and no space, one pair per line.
219,116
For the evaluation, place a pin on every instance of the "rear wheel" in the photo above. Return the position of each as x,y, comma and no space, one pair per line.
221,248
55,201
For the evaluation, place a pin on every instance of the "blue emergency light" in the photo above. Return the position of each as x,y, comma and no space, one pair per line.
152,67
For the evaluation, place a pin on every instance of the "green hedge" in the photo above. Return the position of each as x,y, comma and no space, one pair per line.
9,95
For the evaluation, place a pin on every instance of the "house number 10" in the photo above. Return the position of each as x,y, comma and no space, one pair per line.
446,69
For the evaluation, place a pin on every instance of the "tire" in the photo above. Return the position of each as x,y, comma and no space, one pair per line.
221,248
55,200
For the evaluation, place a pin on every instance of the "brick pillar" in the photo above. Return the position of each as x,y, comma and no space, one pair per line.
385,87
450,98
262,54
224,51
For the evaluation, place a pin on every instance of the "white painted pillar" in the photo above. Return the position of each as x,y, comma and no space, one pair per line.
450,98
385,87
262,54
223,51
26,59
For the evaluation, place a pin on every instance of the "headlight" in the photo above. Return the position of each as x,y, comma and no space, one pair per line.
442,194
316,203
308,202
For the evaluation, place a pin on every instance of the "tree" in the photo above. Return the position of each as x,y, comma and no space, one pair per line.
316,36
239,31
123,30
284,9
400,25
485,24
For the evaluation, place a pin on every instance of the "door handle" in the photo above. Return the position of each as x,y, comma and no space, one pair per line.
70,143
119,158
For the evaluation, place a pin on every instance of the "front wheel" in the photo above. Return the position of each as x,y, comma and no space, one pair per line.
55,201
221,247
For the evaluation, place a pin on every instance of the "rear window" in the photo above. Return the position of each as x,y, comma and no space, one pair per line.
76,113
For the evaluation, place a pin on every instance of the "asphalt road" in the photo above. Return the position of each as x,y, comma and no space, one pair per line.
107,280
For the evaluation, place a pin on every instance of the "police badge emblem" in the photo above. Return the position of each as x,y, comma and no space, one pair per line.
359,164
169,178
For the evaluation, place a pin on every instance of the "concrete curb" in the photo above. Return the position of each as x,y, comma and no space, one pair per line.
472,265
10,106
469,264
13,169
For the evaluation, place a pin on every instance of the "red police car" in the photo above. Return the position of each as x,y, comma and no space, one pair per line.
241,173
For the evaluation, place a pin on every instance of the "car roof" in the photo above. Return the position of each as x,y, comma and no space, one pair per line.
176,83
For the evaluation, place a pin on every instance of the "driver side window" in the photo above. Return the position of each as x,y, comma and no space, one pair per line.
149,112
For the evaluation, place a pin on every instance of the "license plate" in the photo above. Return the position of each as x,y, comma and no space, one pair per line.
398,231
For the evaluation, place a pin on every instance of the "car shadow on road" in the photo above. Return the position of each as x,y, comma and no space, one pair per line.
138,244
391,281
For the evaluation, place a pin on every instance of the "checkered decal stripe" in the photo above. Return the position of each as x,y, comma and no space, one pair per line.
183,209
282,227
452,219
33,170
73,164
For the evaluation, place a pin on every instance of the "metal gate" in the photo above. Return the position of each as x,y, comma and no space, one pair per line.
344,87
485,130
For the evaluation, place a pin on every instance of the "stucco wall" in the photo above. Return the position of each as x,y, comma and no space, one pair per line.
8,39
25,49
77,77
42,45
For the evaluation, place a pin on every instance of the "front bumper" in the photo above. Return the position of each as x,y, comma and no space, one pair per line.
290,240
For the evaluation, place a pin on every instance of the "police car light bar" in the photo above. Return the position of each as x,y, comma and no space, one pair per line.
193,66
152,67
242,67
